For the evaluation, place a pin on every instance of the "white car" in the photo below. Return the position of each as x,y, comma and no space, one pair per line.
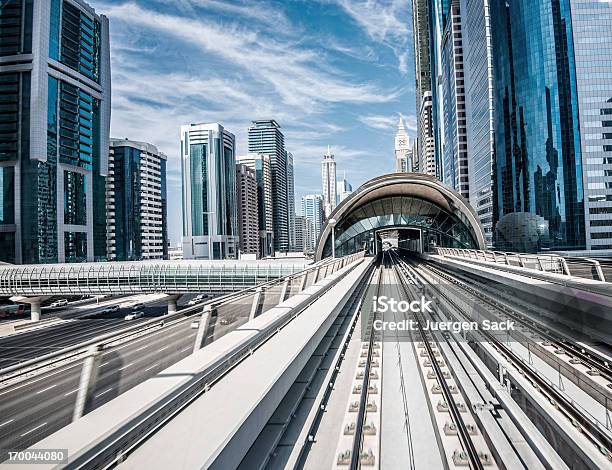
111,309
59,303
195,324
134,315
138,306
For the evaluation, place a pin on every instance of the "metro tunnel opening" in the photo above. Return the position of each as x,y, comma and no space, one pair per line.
414,209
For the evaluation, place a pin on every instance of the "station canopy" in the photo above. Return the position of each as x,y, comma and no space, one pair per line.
414,202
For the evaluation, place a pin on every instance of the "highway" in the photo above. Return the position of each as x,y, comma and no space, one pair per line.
78,325
38,406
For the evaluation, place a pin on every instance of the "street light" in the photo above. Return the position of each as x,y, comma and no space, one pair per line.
332,222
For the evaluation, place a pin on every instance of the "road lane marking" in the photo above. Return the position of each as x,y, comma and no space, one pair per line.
125,366
102,393
7,422
154,365
70,393
186,349
163,349
142,347
34,429
45,389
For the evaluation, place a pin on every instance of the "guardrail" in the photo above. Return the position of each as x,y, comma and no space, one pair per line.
132,429
586,268
302,278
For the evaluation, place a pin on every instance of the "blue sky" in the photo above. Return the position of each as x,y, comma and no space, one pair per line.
331,72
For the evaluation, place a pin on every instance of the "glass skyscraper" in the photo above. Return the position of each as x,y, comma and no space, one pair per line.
539,155
265,137
208,167
54,125
136,202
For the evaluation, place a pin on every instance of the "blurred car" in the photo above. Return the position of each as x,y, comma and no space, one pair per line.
134,315
138,306
111,309
195,324
59,303
197,299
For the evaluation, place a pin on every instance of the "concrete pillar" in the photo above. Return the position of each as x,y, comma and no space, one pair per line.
283,293
34,302
87,384
172,308
35,310
203,327
255,304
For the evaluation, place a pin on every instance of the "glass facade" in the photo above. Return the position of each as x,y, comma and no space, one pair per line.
75,247
357,229
199,189
592,28
127,203
538,159
7,195
65,148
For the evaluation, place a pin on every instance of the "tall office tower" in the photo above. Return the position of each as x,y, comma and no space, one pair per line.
136,207
248,213
425,146
553,98
455,152
263,174
343,189
403,150
305,234
208,168
266,137
54,131
312,209
328,177
438,15
479,107
290,202
426,141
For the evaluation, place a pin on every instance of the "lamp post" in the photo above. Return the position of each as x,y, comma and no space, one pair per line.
332,222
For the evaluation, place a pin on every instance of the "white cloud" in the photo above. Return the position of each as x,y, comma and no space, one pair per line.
388,22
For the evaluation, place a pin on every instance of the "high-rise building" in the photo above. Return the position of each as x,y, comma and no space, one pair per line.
248,213
552,101
136,207
263,174
291,202
424,153
403,149
208,170
312,209
455,152
343,189
479,107
265,137
54,131
304,234
328,177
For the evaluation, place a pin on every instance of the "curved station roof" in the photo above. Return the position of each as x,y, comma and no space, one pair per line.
402,201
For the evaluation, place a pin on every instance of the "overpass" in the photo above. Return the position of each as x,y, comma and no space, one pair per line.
304,372
32,283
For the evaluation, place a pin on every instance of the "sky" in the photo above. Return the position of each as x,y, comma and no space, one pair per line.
330,72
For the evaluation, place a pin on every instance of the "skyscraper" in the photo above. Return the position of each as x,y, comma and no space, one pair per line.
248,213
263,174
54,131
343,189
328,177
265,137
403,149
304,234
209,192
312,209
455,153
426,154
136,205
479,107
425,145
550,153
291,202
